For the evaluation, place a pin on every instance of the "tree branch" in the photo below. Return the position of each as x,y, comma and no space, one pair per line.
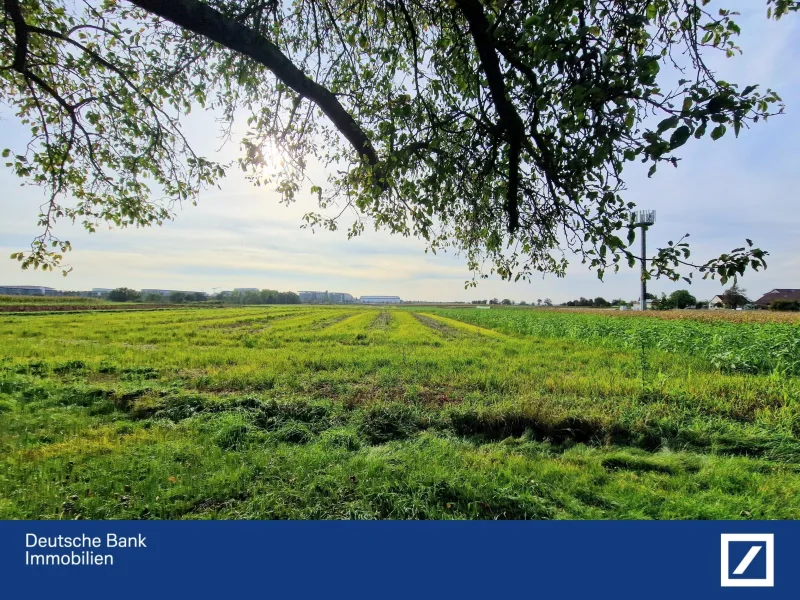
509,118
20,35
200,18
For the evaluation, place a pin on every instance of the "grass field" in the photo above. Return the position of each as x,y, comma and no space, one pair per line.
352,412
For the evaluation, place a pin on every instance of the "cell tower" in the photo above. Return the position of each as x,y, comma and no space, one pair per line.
643,219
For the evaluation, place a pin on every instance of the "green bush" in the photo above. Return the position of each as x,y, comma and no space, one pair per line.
784,305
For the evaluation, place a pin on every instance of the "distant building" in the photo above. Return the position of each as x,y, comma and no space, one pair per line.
312,297
243,290
341,297
380,300
716,302
789,295
28,290
166,293
100,291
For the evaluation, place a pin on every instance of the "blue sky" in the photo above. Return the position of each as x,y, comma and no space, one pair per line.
241,236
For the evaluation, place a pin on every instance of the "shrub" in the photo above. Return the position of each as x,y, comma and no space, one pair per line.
784,305
123,294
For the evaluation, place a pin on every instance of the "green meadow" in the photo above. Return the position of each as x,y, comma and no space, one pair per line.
307,412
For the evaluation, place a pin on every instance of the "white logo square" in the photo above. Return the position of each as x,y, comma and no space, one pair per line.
768,541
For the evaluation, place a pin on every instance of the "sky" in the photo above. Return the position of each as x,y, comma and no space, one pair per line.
241,236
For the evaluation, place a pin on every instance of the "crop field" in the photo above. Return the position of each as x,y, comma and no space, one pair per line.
735,341
41,304
53,300
371,413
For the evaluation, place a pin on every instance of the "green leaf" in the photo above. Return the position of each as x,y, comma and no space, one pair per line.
679,137
667,124
718,132
701,131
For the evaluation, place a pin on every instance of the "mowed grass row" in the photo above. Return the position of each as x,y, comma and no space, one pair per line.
352,412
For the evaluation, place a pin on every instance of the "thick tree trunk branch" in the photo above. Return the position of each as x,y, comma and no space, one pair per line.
200,18
509,117
20,35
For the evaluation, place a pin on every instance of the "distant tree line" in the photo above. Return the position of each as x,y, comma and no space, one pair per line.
261,297
598,302
179,297
124,294
508,302
677,299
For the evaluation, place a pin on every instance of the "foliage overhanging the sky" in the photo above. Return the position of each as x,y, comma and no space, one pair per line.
499,128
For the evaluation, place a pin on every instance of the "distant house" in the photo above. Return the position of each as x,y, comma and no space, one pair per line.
28,290
716,302
790,295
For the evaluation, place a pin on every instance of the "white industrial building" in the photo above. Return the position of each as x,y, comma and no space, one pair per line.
28,290
312,297
380,300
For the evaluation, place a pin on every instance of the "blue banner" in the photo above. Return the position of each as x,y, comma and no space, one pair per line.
304,559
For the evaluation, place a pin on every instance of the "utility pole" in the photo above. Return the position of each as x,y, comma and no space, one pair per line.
643,219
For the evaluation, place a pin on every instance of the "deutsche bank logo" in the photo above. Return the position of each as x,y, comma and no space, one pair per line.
748,559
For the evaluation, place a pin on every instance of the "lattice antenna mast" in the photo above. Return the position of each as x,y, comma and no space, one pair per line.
643,219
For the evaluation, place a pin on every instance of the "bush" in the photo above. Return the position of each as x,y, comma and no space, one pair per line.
784,305
123,294
682,299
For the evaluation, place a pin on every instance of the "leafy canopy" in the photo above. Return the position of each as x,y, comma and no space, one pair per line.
498,128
